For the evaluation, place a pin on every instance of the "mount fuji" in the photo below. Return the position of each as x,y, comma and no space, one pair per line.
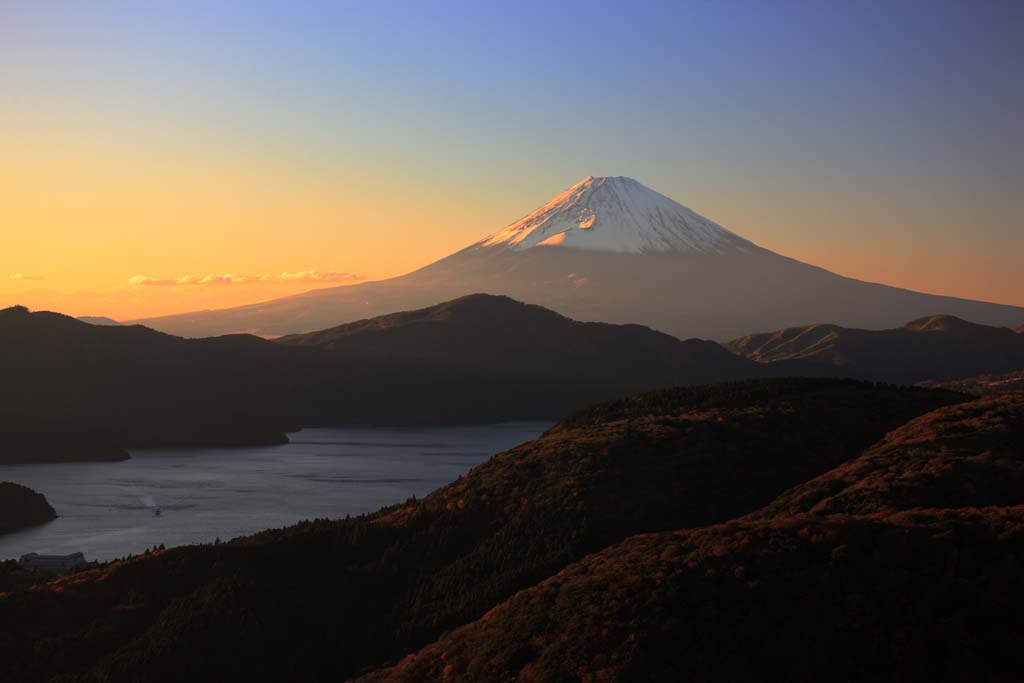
612,250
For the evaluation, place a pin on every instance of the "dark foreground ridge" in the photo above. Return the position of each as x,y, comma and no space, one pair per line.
334,599
902,564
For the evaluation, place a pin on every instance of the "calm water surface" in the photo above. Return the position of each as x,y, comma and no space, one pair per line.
106,509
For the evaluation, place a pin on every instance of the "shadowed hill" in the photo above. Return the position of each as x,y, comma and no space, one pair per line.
340,597
22,507
929,595
80,391
496,333
939,347
73,390
485,357
899,565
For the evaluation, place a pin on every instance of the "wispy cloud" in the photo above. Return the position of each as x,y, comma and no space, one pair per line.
330,276
23,276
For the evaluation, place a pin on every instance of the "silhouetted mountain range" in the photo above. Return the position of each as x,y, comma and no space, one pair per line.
78,391
938,347
73,391
489,358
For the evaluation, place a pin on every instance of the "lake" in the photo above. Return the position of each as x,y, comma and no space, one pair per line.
107,508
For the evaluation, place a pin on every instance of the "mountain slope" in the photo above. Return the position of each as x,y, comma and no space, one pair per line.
97,320
899,565
325,600
73,390
931,595
483,357
982,384
936,347
969,455
617,215
21,507
611,250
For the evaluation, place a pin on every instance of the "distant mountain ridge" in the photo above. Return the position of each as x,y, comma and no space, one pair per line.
484,357
938,347
73,390
97,320
79,391
470,328
611,250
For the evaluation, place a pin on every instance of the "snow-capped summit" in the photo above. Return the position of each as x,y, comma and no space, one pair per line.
624,254
620,215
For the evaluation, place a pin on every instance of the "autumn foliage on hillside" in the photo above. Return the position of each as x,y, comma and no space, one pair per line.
903,564
590,553
924,595
982,384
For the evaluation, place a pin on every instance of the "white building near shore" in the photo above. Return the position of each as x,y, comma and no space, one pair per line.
54,564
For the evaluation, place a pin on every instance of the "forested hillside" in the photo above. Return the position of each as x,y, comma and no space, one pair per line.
342,597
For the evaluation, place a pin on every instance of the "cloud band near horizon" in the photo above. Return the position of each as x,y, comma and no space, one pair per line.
329,276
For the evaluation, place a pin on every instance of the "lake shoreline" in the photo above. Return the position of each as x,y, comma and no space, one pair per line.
106,509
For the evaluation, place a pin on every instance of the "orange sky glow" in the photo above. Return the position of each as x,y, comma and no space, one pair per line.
98,230
159,159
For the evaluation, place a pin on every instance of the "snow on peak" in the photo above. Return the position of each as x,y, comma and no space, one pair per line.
616,214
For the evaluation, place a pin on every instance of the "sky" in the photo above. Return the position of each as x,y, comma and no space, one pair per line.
160,157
